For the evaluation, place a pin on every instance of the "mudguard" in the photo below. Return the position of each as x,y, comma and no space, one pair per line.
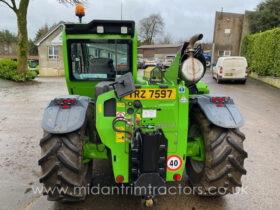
57,120
227,116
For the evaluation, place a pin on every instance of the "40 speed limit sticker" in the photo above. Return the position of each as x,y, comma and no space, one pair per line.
174,162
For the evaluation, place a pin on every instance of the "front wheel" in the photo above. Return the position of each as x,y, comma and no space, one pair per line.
223,167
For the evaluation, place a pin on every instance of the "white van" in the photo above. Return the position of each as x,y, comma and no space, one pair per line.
231,68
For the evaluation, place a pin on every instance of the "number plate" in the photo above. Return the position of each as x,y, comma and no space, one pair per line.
228,74
152,94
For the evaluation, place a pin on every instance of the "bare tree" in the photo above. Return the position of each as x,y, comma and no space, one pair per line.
20,10
72,2
150,28
167,39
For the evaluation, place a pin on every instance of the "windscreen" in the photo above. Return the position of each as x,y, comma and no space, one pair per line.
99,59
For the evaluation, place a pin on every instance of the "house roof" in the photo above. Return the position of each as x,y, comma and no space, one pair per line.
50,32
160,46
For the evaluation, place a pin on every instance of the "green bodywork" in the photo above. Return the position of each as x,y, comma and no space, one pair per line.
172,115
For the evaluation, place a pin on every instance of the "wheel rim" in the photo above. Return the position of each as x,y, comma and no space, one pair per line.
197,165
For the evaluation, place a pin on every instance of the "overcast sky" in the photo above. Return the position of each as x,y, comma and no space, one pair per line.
182,17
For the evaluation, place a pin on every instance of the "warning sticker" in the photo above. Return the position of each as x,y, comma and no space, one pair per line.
183,99
120,137
174,163
149,113
121,105
120,114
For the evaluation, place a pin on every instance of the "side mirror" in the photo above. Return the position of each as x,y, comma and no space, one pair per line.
124,85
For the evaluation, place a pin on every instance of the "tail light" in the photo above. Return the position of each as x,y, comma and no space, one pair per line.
65,102
177,177
246,70
214,99
221,70
119,179
72,101
220,101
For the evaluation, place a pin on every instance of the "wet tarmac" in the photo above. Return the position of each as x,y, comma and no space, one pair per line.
21,110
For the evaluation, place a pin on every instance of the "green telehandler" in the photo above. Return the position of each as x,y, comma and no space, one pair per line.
152,130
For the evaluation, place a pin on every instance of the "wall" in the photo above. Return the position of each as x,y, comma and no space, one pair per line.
50,67
273,81
239,27
158,52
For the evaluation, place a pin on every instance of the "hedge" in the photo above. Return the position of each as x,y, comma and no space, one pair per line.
8,70
262,51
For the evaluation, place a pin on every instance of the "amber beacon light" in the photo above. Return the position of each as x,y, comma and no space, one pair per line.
80,11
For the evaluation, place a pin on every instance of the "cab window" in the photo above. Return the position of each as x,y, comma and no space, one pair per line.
99,59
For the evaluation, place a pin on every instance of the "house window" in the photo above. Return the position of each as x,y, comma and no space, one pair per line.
222,53
53,52
227,31
227,53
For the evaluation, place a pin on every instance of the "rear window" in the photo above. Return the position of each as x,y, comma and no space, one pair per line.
234,62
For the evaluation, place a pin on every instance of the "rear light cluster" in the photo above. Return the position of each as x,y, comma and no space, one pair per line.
119,179
177,177
66,102
246,70
221,70
220,100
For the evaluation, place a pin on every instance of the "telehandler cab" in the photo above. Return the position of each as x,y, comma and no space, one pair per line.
151,130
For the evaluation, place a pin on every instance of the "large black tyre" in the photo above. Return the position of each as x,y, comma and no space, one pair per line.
63,170
223,167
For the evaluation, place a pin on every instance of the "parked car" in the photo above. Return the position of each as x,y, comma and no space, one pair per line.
231,68
140,63
168,60
153,62
122,64
207,59
33,65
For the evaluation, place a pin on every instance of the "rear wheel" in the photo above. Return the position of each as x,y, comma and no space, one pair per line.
243,81
64,175
223,167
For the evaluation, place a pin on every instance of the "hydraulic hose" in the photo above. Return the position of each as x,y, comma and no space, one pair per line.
117,130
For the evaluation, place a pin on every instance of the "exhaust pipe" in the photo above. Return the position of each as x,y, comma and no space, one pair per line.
188,66
193,40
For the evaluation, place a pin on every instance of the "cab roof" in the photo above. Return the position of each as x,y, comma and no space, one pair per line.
110,27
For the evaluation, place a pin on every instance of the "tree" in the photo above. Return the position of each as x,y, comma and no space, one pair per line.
7,36
41,32
32,48
267,16
150,28
167,39
20,11
8,42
